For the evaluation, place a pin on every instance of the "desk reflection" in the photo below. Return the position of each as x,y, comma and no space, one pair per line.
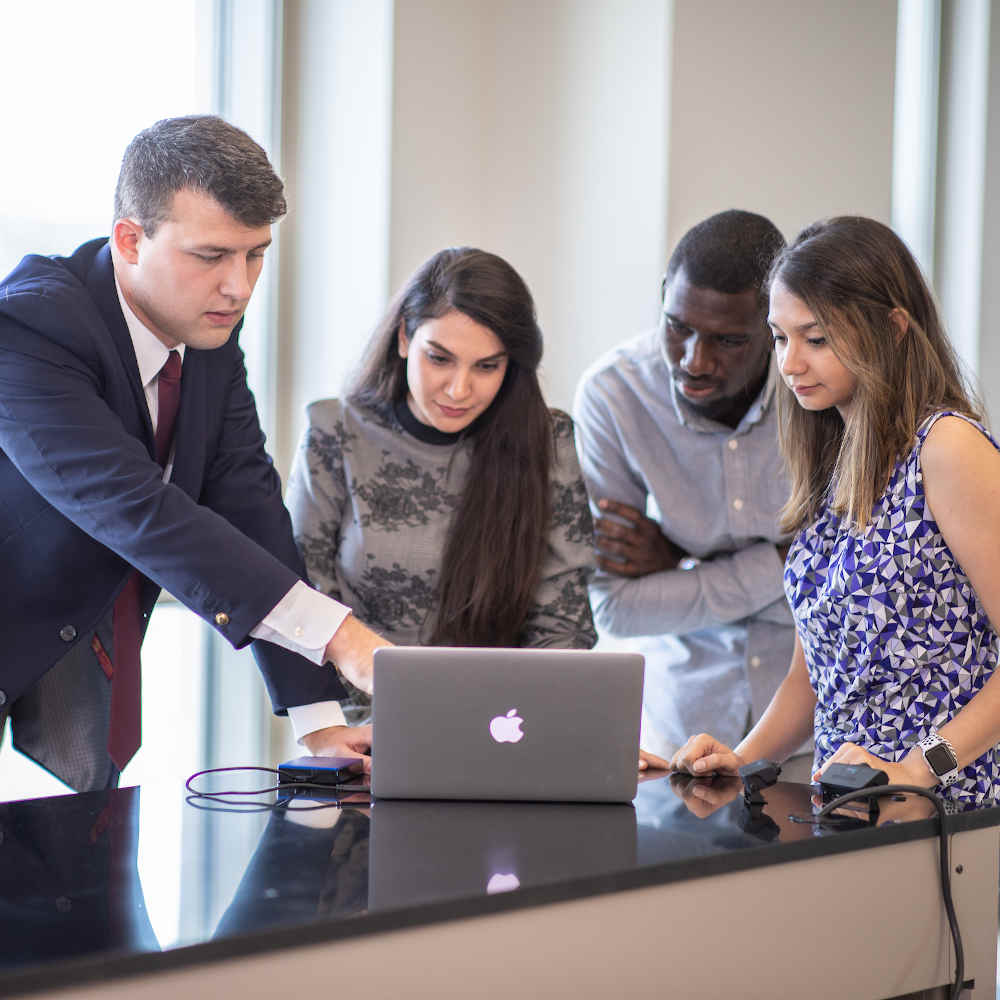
69,885
316,864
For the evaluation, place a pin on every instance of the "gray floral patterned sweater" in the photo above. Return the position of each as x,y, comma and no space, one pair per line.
371,497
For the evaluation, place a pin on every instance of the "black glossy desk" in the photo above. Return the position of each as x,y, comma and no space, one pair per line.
514,900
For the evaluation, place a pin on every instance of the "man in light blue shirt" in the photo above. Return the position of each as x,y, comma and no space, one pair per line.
677,435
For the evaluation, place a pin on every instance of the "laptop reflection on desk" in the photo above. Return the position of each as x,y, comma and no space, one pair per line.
422,852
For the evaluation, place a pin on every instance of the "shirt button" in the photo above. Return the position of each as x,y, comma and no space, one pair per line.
737,504
67,633
733,444
298,630
221,619
755,662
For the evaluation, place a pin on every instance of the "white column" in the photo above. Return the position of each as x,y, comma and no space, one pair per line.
334,265
781,108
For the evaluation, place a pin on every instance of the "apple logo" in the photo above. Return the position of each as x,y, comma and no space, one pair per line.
507,728
502,881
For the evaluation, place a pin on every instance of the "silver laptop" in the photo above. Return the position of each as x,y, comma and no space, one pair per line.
554,725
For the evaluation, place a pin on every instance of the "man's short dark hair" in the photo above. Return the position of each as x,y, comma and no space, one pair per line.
729,252
200,153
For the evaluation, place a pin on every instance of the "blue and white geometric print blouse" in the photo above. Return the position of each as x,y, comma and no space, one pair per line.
895,639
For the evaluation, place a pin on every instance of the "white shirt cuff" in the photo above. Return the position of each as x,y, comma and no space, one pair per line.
303,621
306,719
316,819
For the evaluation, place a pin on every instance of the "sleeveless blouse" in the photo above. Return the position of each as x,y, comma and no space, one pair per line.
895,639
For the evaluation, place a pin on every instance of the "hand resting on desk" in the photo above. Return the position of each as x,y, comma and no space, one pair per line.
704,755
911,770
342,741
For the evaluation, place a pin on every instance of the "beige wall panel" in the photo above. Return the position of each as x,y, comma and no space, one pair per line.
781,108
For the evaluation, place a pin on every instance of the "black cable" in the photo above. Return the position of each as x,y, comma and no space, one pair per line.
880,791
222,799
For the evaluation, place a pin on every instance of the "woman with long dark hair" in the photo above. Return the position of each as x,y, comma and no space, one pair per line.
894,573
442,499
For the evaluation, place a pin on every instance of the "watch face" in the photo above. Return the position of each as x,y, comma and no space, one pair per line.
941,759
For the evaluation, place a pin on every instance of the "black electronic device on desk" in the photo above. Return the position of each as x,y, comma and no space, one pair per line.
325,771
322,779
757,776
841,779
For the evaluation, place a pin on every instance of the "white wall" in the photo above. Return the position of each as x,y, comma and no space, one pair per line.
577,139
783,108
580,140
537,131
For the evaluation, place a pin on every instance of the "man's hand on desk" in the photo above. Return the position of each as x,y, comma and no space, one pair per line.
636,548
342,741
352,648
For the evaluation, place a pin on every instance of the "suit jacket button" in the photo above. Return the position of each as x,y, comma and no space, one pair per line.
67,633
3,697
221,619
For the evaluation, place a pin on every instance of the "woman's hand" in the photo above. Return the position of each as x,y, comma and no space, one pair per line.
911,770
703,755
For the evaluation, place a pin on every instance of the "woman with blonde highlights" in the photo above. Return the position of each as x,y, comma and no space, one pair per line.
894,574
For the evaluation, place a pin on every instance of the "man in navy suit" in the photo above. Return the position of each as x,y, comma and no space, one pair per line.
116,479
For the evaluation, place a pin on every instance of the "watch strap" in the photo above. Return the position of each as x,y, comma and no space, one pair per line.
949,775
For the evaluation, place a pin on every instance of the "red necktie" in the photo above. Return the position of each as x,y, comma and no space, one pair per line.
126,681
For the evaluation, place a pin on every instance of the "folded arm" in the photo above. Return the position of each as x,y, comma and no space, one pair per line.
718,590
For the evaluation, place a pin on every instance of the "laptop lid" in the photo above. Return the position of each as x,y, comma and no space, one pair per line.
512,724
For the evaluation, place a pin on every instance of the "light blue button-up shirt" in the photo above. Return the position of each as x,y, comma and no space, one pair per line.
718,636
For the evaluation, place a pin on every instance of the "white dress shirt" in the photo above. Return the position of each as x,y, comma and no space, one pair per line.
304,620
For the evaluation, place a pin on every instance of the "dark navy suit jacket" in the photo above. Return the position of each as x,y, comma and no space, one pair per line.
82,498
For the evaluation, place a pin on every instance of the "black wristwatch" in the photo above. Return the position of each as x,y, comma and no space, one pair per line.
940,757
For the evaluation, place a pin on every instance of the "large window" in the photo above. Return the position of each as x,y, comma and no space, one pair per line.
80,80
86,79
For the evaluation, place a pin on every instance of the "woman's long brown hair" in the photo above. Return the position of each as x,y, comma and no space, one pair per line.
865,290
498,535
